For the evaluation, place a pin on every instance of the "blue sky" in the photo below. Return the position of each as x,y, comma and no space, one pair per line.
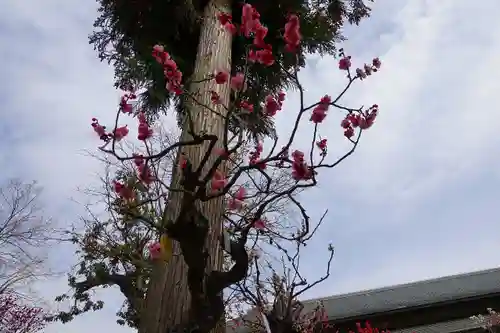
416,201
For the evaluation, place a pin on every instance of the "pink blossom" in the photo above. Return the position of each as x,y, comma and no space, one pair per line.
154,250
345,63
121,132
259,224
238,82
219,181
236,202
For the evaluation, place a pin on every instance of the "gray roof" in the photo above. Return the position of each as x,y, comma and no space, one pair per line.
411,294
408,295
452,326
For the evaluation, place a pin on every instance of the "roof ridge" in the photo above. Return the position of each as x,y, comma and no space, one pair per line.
406,284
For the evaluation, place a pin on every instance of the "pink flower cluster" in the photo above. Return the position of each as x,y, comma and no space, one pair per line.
125,106
300,170
362,120
251,26
367,329
322,145
144,131
100,130
143,170
15,317
259,53
154,250
219,181
124,191
236,202
368,69
255,156
273,105
319,112
292,34
172,74
345,63
237,83
120,132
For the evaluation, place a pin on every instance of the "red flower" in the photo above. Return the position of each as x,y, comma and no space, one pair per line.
259,224
238,82
123,191
345,63
265,57
246,106
319,112
221,77
272,106
292,34
224,18
236,202
300,170
120,132
144,131
219,181
321,144
100,130
154,250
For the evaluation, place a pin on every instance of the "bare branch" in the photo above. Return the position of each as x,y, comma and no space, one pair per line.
25,234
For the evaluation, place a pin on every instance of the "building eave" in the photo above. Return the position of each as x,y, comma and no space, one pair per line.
407,298
452,326
411,295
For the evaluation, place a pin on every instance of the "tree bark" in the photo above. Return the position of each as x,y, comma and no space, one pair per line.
167,300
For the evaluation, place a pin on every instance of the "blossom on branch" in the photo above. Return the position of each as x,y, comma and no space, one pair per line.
18,318
219,157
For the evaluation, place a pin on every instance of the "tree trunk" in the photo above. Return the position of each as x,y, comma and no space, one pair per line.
167,300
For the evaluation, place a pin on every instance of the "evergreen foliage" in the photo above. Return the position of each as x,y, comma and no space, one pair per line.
126,30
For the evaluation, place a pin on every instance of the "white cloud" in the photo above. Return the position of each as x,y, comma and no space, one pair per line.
417,199
422,185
